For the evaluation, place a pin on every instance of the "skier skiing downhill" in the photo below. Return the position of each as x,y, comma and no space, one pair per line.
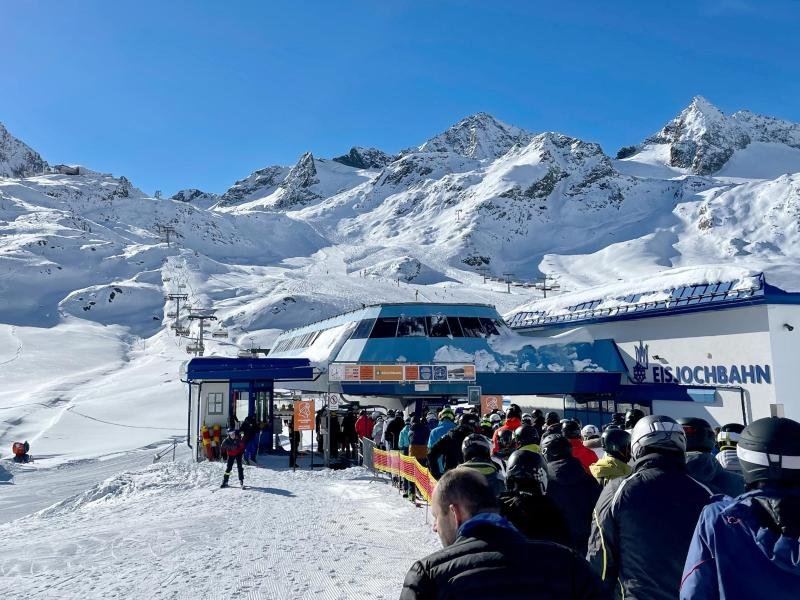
233,447
749,546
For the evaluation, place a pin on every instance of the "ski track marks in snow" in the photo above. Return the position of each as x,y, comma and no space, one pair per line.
161,532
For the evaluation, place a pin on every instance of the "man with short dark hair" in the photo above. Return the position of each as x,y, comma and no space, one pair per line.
485,556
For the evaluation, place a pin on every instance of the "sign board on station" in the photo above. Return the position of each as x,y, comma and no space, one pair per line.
303,415
490,403
446,373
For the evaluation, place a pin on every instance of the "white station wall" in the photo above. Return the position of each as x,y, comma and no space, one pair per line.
711,343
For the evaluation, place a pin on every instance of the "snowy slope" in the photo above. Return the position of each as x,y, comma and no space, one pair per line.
167,531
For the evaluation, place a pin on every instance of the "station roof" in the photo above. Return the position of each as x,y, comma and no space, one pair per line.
247,369
679,299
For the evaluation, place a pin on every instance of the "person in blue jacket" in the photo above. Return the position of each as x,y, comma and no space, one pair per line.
447,421
749,546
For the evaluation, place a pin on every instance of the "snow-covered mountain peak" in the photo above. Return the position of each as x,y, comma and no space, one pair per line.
258,184
17,159
478,136
302,175
365,158
704,141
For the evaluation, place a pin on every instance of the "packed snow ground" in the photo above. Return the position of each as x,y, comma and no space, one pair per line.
168,531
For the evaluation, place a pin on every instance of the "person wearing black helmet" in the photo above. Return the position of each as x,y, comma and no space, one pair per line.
233,447
700,441
617,444
571,430
526,437
477,451
525,503
632,417
513,420
537,412
572,489
505,444
617,419
643,523
758,530
448,447
727,438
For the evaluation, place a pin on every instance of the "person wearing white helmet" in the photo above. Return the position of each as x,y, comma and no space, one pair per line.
643,524
591,439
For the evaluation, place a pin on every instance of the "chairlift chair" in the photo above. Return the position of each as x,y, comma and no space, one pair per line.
166,279
220,333
172,314
181,331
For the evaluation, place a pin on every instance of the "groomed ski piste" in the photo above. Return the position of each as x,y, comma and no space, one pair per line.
167,530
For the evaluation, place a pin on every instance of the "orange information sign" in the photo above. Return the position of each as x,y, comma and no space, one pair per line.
366,372
411,372
303,415
388,373
490,403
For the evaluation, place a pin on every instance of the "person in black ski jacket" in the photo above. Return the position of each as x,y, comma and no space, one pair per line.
349,437
702,465
233,448
249,431
571,488
477,452
393,429
643,524
525,503
484,556
448,447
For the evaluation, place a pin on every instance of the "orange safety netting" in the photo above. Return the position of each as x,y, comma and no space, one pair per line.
407,467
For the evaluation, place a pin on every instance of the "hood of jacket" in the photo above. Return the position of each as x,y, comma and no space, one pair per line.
703,466
609,467
568,471
759,512
487,525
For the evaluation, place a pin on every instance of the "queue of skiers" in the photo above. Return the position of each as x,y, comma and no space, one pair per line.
648,507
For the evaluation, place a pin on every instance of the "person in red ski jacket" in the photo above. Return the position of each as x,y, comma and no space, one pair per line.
233,447
513,420
364,424
572,431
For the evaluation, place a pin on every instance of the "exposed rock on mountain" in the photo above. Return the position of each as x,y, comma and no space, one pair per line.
17,159
702,140
365,158
258,184
195,196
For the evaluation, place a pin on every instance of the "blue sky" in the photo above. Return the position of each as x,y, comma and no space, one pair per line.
177,94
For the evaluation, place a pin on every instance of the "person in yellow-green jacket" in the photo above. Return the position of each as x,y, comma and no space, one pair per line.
617,444
526,437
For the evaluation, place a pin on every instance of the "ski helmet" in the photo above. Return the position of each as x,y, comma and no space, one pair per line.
699,435
476,445
528,469
232,432
657,433
632,417
571,430
527,419
446,413
769,451
617,443
495,419
556,447
590,432
469,420
729,434
514,412
618,418
505,442
537,412
551,418
525,435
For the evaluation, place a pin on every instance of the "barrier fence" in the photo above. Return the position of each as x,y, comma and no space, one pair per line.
400,465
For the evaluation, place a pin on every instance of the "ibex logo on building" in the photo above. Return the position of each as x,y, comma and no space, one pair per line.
642,362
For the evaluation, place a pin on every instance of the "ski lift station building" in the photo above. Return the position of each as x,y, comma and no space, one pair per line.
733,345
725,351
